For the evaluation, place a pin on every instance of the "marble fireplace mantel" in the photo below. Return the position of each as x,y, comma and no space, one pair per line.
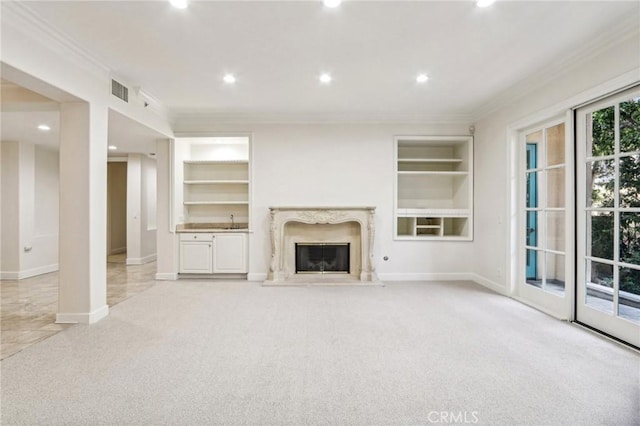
282,253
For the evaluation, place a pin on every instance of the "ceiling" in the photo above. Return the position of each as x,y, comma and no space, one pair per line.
373,49
23,111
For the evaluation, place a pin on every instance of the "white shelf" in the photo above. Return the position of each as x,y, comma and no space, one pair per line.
211,203
215,182
433,212
434,188
215,162
429,160
432,173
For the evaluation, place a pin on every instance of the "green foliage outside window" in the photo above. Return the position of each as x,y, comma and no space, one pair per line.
603,189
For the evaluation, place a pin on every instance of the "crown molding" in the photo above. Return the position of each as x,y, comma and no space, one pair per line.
27,21
24,19
182,118
618,34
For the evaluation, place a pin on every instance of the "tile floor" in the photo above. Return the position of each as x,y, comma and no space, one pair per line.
29,306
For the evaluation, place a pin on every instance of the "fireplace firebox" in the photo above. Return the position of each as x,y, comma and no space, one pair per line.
322,258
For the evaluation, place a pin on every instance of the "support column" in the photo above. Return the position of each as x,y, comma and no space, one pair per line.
167,253
83,213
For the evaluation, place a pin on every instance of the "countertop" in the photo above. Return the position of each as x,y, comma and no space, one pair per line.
212,227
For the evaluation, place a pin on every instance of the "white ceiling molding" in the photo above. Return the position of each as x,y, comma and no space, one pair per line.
26,20
202,118
618,34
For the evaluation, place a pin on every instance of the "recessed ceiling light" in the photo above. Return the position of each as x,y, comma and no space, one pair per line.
422,78
332,3
112,147
485,3
44,127
325,78
229,78
179,4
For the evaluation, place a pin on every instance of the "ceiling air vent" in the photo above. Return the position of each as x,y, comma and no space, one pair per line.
119,91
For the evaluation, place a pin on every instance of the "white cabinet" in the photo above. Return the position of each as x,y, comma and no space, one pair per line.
434,188
196,253
230,254
209,253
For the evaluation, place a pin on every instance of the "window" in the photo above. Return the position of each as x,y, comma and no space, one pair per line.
612,209
545,208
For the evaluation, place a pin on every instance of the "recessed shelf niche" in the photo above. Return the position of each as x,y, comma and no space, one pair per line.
434,188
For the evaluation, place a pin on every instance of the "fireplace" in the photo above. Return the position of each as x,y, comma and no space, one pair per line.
307,241
322,258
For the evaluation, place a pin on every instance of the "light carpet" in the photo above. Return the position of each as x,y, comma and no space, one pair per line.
237,353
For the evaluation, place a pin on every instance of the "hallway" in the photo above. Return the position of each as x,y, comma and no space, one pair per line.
29,306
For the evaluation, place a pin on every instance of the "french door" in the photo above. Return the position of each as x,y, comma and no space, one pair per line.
608,215
543,218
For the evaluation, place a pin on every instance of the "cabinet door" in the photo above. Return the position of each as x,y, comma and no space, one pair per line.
195,257
230,253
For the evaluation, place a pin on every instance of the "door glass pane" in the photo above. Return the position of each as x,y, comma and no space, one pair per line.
534,267
555,145
532,190
599,286
630,238
601,235
630,125
531,234
555,273
629,295
630,181
532,151
603,132
555,187
600,191
555,231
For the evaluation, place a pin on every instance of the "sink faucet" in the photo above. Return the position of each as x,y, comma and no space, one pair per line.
232,224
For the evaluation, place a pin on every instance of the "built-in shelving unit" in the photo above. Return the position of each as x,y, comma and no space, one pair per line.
215,180
434,188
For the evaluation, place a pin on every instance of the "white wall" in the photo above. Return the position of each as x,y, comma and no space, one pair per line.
339,165
553,99
44,237
10,261
30,179
141,238
116,207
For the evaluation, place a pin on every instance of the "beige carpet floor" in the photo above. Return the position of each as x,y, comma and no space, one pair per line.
236,353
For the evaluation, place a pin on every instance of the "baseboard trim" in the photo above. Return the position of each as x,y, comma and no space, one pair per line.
141,260
28,273
5,275
491,285
83,318
446,276
256,277
542,309
118,250
166,276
